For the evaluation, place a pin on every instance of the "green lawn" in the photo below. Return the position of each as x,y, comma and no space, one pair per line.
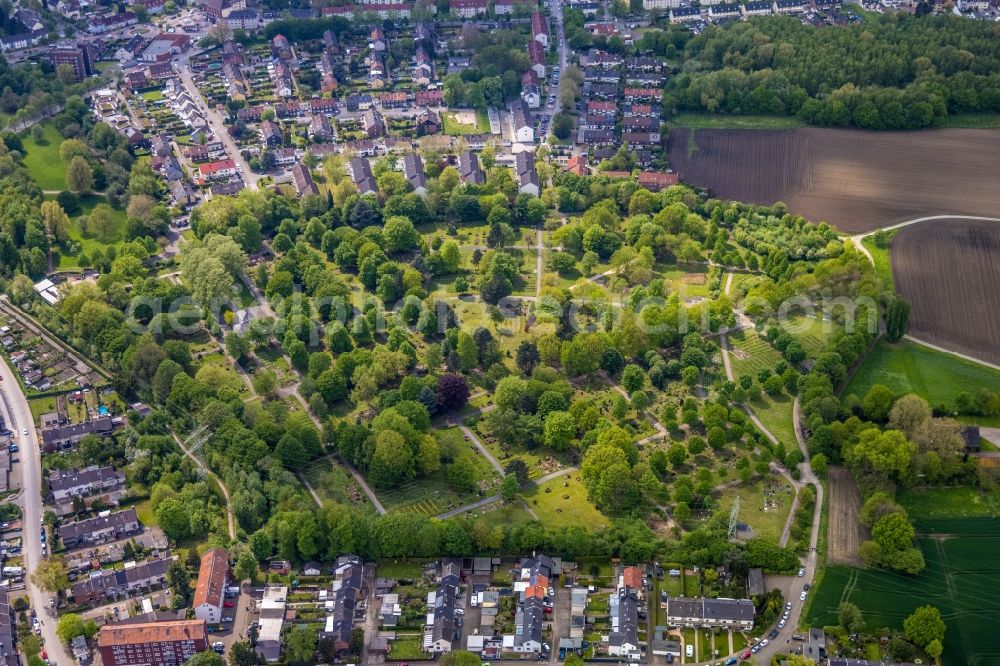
720,121
42,158
431,495
927,503
766,518
973,120
89,243
749,354
562,502
813,333
907,367
880,257
407,648
454,128
776,415
401,568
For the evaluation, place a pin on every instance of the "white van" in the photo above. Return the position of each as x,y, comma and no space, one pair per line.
689,651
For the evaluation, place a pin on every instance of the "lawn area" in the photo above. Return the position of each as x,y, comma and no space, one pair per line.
401,568
431,495
690,281
959,580
709,121
144,511
764,506
776,415
455,128
42,158
332,482
152,95
907,367
929,503
973,120
880,257
562,502
88,243
408,648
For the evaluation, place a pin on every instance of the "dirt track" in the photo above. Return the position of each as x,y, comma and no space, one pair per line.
950,273
857,181
844,532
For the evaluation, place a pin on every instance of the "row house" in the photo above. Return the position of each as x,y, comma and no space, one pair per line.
641,139
281,77
508,7
429,98
320,129
330,42
362,176
251,114
270,133
531,95
413,170
540,28
603,91
725,10
640,124
102,24
302,180
536,54
641,109
736,614
602,75
685,14
111,527
593,121
654,181
377,40
366,147
217,170
604,59
597,107
428,122
789,6
527,177
757,8
152,643
68,436
378,73
650,5
343,602
597,137
286,156
469,8
532,580
468,168
423,68
327,107
645,79
107,584
442,631
524,131
328,80
393,100
623,606
645,64
68,483
632,94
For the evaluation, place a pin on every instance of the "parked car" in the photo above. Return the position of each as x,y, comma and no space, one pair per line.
219,647
773,634
802,572
802,597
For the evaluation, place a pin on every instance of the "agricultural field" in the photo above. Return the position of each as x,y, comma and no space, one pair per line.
907,367
857,181
42,160
949,271
844,532
958,580
933,503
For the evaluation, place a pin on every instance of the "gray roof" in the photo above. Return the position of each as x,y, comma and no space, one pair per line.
68,479
361,171
711,609
73,531
520,114
413,169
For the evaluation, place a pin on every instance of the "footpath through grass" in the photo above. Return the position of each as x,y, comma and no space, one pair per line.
907,367
709,121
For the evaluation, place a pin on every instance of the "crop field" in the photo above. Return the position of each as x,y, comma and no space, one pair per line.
857,181
949,270
907,367
843,530
958,580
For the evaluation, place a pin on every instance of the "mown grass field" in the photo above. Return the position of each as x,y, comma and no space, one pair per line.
749,354
960,580
709,121
906,367
89,243
813,333
767,523
562,502
42,159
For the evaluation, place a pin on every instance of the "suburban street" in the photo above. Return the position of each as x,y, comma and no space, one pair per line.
215,121
18,414
560,36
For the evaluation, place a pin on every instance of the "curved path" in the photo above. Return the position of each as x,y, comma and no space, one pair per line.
209,473
856,239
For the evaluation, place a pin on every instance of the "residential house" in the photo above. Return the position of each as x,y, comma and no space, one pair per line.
110,526
413,169
428,98
623,639
217,170
364,179
210,592
346,589
72,482
377,40
468,8
423,68
373,123
520,116
577,165
320,129
724,10
152,644
182,194
654,182
67,436
540,28
531,95
650,5
105,584
757,8
536,54
270,133
428,122
735,614
468,168
442,632
303,181
270,623
685,14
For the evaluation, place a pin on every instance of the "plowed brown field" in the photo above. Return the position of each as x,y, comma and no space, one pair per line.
844,532
857,181
950,271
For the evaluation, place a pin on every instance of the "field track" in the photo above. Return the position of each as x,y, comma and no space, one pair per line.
857,181
950,273
843,529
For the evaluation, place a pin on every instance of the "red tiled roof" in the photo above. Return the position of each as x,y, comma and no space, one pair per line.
214,569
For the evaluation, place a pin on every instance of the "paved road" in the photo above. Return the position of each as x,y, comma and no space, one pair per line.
560,36
18,415
218,126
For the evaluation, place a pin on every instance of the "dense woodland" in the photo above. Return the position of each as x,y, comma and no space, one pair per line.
892,71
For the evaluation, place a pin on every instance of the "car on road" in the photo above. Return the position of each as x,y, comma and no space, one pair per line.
802,572
755,649
12,448
788,605
745,655
764,643
24,431
228,618
806,587
781,623
219,647
773,634
229,604
802,597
